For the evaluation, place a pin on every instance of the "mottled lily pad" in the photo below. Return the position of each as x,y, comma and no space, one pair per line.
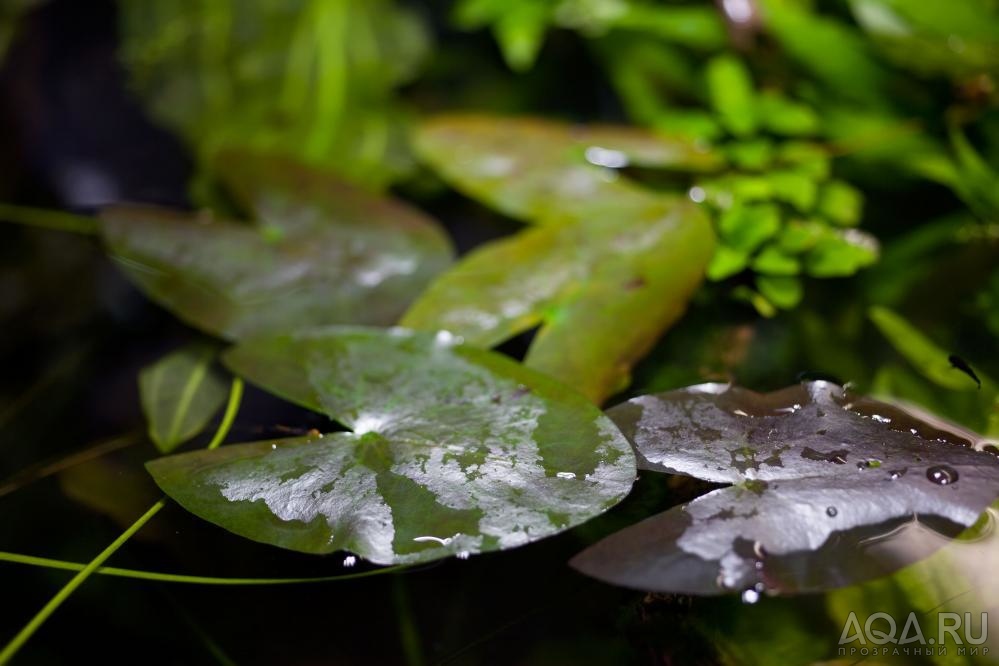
319,252
545,171
453,450
823,481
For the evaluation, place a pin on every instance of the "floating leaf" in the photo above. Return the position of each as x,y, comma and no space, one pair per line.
610,257
544,171
180,394
454,450
320,252
820,477
623,280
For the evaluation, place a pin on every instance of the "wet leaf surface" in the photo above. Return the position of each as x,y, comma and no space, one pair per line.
180,394
319,252
453,450
821,481
607,257
544,171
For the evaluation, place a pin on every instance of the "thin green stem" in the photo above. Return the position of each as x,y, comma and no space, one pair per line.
235,395
29,629
48,219
162,577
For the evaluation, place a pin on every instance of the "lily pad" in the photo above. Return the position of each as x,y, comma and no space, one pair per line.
608,257
319,252
453,450
544,171
623,281
820,478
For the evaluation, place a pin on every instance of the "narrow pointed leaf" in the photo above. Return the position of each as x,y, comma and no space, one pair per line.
822,479
452,450
320,252
180,394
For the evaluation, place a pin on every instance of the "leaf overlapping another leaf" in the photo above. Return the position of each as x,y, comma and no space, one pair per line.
319,252
453,450
609,266
821,480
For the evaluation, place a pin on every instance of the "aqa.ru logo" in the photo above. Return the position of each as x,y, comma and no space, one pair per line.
881,629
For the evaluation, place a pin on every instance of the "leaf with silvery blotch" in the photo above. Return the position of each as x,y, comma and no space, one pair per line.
823,485
453,450
318,252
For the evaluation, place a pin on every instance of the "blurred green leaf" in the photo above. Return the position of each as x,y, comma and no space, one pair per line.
783,291
730,89
452,451
794,187
307,78
746,227
319,252
839,253
180,394
780,115
840,202
920,351
832,51
773,261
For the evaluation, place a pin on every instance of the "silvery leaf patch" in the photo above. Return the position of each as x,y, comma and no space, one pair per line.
452,450
827,489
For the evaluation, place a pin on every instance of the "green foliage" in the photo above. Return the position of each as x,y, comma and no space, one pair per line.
453,450
319,252
180,394
312,79
773,145
606,256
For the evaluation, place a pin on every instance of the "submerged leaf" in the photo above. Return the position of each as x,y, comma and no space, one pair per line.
180,394
320,252
453,450
819,476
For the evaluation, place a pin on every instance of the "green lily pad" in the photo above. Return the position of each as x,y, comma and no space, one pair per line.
819,478
544,171
319,252
622,280
453,450
608,256
180,394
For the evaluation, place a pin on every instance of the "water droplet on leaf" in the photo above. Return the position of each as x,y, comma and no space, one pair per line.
942,475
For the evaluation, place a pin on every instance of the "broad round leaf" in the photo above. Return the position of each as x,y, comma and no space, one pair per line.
320,252
823,482
453,450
